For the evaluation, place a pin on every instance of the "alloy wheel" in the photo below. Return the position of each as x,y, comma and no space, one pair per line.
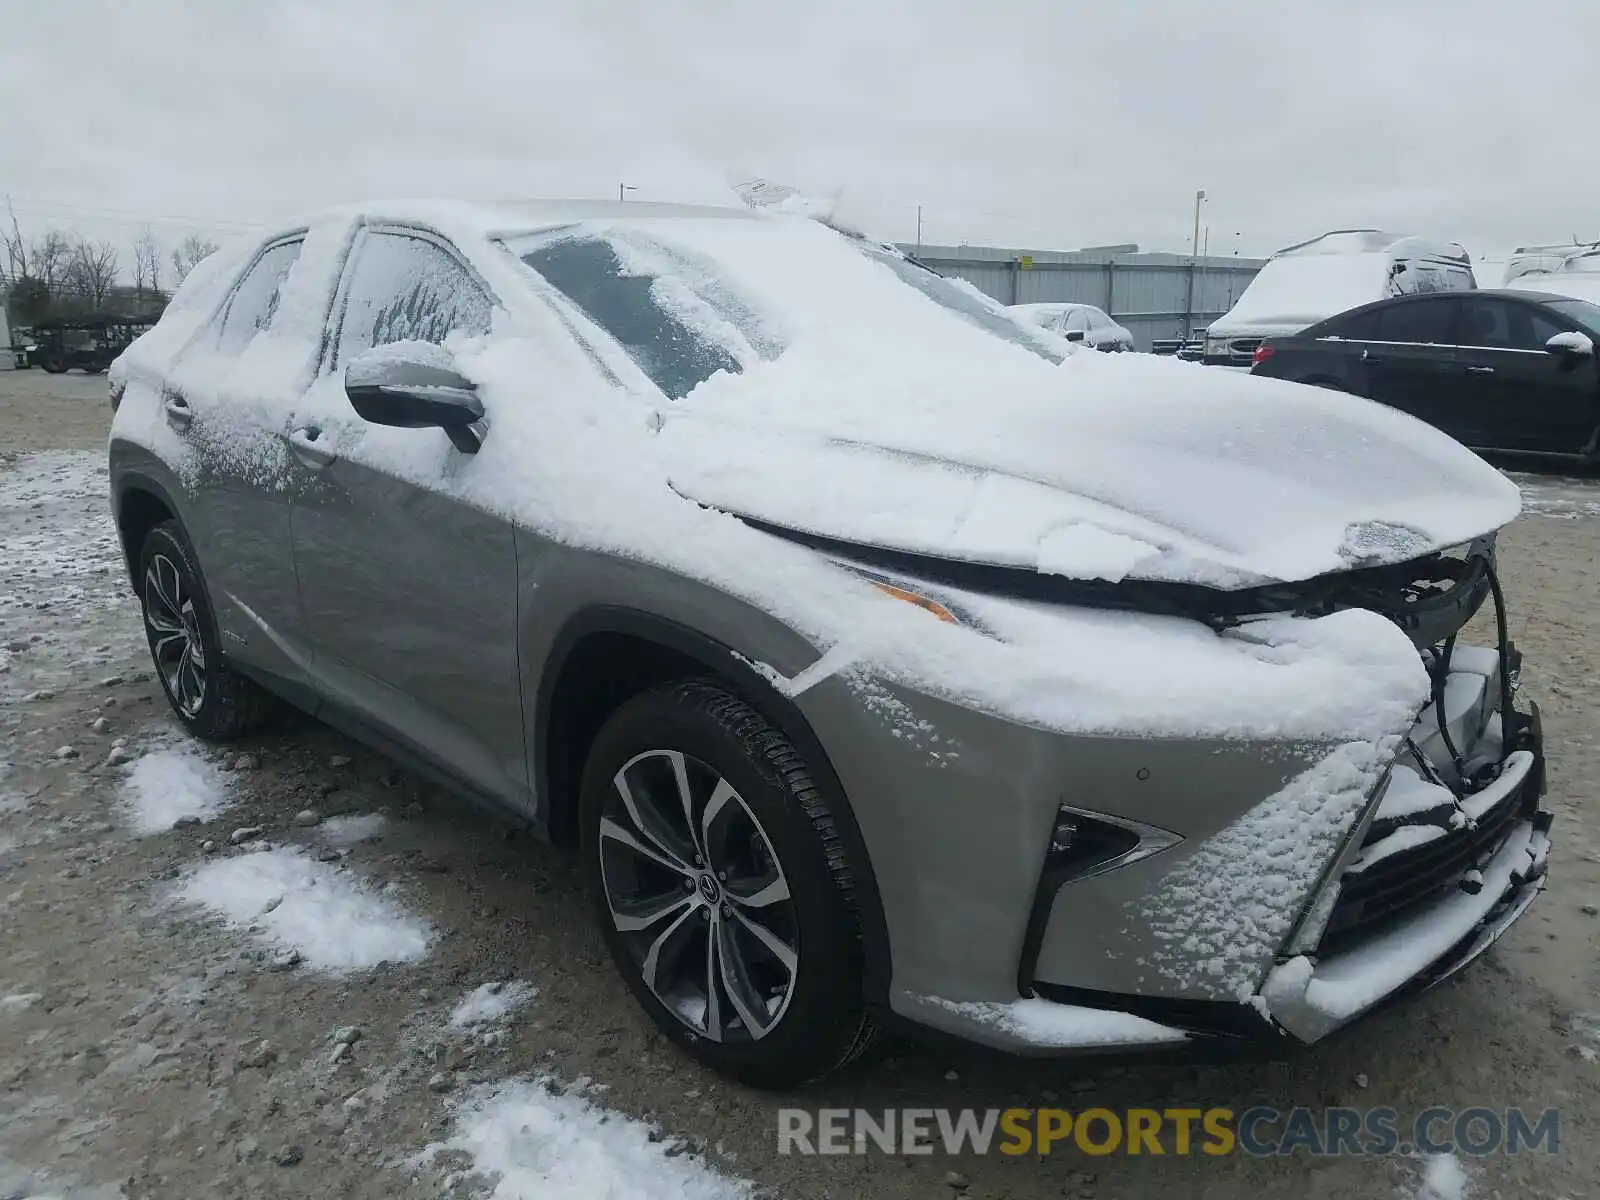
699,897
175,640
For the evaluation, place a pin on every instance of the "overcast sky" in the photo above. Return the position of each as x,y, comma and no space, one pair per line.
1013,122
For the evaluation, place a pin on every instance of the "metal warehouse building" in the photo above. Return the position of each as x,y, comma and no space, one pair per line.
1157,296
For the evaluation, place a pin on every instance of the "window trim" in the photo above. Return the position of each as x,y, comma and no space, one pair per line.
1513,302
219,318
330,361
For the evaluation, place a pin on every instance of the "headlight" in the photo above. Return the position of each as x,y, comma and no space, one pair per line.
919,594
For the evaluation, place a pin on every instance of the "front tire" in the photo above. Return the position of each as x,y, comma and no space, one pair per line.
719,881
213,701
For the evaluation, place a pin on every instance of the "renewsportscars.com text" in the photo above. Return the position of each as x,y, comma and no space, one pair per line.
1260,1132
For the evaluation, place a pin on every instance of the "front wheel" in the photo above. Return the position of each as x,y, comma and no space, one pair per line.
213,701
54,366
718,877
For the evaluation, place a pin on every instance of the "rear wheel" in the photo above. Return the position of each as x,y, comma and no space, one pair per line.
213,701
717,875
55,366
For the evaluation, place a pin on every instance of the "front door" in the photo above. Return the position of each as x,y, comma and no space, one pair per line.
1411,365
409,592
1534,400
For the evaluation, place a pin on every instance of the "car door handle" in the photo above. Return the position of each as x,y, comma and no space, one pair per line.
179,415
309,450
1480,370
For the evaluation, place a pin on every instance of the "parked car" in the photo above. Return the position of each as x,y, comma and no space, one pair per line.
1306,283
1077,323
882,669
1498,370
1577,277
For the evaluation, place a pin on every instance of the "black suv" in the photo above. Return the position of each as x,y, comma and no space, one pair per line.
1498,370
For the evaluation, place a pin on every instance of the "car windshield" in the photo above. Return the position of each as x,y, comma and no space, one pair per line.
1585,314
971,305
681,322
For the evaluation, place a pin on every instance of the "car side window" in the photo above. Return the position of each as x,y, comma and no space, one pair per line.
1098,320
255,301
406,288
1077,321
1359,327
1420,322
1502,325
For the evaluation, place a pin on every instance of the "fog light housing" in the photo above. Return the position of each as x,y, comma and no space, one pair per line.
1084,844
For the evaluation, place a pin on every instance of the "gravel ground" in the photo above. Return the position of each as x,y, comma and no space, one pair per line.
149,1050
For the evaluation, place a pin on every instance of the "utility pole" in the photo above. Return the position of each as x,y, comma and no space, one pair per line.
919,231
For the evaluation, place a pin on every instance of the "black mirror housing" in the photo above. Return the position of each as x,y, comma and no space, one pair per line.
1075,335
414,389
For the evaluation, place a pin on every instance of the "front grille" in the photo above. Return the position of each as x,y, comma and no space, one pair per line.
1244,347
1389,889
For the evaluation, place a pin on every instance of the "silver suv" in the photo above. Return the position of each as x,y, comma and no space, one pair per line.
887,661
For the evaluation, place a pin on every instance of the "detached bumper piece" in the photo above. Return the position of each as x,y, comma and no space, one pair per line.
1465,889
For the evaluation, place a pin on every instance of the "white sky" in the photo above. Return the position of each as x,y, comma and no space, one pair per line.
1014,122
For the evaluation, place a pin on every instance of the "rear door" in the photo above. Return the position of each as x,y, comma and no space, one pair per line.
1410,364
409,592
234,423
1534,400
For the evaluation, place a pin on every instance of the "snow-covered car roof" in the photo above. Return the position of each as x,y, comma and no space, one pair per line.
1373,241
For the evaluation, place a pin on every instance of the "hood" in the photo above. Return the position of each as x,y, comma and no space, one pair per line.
1126,467
1266,327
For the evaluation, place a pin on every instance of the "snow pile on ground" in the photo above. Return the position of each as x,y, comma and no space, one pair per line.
491,1002
352,829
534,1140
302,907
170,785
1444,1177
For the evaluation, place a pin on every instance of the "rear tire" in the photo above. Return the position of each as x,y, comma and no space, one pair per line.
54,366
213,701
721,887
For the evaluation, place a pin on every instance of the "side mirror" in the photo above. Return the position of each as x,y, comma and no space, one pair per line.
1074,335
1570,345
414,385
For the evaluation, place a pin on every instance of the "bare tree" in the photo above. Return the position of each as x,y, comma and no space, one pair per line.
92,269
189,253
146,262
18,261
51,255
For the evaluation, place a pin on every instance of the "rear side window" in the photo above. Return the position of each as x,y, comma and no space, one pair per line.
675,357
1356,327
1503,325
1420,321
405,288
255,300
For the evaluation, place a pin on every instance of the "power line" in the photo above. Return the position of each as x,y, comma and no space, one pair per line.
122,216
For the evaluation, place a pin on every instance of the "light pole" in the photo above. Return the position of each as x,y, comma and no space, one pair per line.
1194,246
623,189
919,231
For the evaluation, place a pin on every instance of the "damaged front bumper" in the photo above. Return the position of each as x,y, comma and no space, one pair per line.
1433,873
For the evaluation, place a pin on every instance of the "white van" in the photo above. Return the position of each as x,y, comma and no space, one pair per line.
1311,281
1540,260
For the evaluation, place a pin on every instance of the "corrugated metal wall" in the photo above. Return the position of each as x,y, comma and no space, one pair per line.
1154,295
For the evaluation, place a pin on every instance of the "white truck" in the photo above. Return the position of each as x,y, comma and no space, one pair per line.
1311,281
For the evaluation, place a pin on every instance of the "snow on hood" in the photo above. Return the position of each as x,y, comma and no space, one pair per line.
1104,467
849,352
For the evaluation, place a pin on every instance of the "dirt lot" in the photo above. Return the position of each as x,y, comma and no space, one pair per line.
131,1026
